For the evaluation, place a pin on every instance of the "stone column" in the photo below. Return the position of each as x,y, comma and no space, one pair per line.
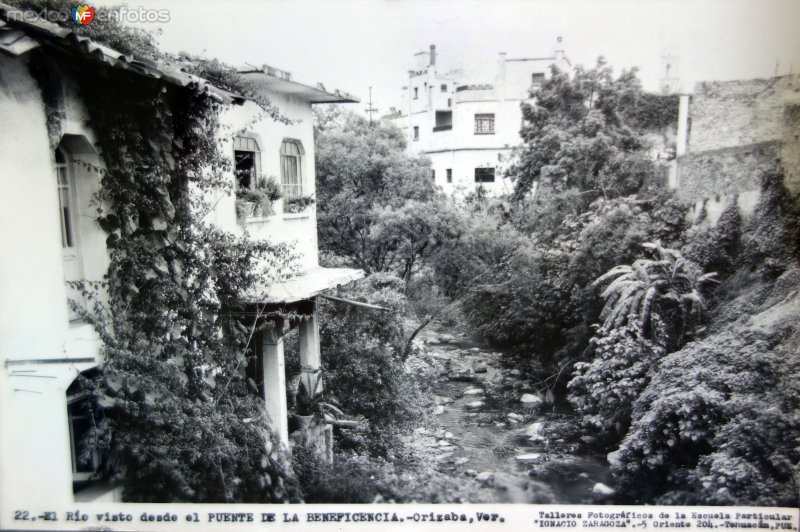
309,341
310,363
310,360
274,377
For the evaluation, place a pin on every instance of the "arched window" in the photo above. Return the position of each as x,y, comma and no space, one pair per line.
292,168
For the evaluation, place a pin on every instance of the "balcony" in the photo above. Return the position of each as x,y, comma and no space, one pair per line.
443,128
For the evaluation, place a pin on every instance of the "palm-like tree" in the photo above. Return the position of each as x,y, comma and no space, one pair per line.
666,290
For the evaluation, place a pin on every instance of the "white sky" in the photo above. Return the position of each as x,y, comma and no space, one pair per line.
352,44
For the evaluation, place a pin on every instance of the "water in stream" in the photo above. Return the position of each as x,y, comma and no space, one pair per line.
511,449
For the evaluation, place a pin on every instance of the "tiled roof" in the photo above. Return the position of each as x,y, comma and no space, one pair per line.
20,34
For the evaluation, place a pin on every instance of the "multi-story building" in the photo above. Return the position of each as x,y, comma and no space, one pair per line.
468,125
50,168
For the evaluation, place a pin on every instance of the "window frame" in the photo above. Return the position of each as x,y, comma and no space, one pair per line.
449,175
416,132
484,123
290,160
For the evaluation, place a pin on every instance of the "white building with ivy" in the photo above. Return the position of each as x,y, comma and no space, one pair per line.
50,167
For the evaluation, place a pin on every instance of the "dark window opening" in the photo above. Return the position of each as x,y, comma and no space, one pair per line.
416,132
444,121
484,175
537,78
449,172
444,88
416,93
245,168
88,432
247,161
433,174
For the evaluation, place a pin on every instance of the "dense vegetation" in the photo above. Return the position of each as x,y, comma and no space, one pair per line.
676,343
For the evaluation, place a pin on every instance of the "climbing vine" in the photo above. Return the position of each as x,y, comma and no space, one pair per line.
183,421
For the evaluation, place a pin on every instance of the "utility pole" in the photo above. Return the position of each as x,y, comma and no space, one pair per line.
371,109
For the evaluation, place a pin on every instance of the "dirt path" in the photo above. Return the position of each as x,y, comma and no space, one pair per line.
516,451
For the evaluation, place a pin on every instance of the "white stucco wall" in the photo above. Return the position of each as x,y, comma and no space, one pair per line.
299,229
34,321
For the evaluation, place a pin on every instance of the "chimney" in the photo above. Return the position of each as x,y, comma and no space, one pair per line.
433,56
500,76
559,51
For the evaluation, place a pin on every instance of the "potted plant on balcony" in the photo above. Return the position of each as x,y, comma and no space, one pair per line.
298,204
257,201
246,201
310,403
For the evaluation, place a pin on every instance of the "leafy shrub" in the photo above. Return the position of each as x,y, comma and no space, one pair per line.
771,242
718,423
717,249
604,390
355,477
362,358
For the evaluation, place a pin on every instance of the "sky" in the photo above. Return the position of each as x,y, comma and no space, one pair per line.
354,44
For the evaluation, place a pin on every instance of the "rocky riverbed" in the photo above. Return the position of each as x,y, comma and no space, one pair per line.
493,429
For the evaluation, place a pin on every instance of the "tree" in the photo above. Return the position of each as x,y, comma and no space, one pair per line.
378,206
579,134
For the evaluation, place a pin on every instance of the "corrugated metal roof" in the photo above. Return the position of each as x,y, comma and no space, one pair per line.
20,33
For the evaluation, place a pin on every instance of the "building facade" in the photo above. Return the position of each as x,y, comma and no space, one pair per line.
469,125
49,228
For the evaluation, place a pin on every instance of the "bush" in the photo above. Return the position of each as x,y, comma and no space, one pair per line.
771,242
717,249
604,390
718,423
362,358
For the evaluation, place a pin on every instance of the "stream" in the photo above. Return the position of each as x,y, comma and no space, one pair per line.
516,452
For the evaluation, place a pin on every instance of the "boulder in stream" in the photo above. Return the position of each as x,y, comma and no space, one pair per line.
438,410
485,477
474,405
462,376
602,490
530,399
534,429
529,458
473,391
